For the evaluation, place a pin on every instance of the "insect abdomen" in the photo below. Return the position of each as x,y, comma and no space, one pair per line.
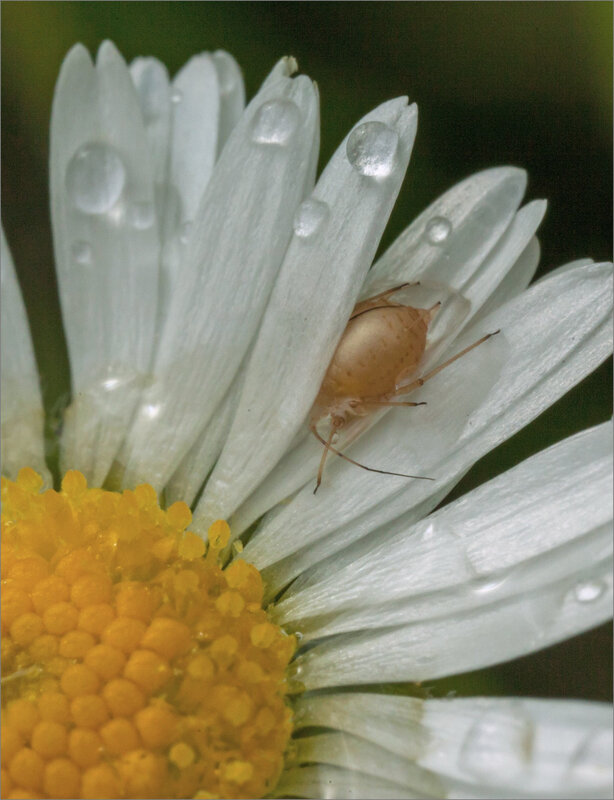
377,347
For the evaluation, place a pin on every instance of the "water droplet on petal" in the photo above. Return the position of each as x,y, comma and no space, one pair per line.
141,215
275,122
151,410
589,591
488,585
309,217
176,96
372,148
95,178
81,253
498,743
437,230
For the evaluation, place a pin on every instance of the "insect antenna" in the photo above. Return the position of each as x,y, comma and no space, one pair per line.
328,446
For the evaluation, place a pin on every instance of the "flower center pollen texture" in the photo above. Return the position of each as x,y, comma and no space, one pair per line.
133,665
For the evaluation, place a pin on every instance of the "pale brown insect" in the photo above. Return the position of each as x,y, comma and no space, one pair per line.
378,354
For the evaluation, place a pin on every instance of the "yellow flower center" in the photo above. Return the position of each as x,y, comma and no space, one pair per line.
133,664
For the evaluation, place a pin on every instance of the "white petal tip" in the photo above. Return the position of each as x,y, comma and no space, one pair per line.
78,57
108,54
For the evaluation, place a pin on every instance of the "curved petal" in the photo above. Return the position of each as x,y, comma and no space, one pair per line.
152,84
538,522
557,333
296,468
232,95
482,747
340,225
367,761
234,251
469,220
331,782
520,624
194,141
22,408
106,247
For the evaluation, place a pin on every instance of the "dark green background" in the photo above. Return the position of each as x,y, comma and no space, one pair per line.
496,83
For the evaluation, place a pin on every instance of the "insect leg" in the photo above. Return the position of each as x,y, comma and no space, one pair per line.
420,381
328,446
372,403
382,297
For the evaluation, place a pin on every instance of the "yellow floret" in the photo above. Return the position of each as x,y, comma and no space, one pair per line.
134,665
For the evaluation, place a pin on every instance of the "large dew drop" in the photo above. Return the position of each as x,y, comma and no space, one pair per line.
372,148
437,230
95,178
275,122
309,217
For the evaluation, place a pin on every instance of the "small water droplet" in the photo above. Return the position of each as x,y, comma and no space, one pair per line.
110,384
498,743
487,585
142,215
151,410
275,122
372,148
437,230
186,230
589,591
95,178
81,253
309,217
176,96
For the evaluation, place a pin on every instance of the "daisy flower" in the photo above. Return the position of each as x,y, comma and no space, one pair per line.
206,279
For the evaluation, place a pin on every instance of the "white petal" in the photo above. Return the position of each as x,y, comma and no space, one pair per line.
152,85
535,523
515,281
482,747
232,95
571,265
299,563
196,116
504,257
489,253
336,234
293,470
234,253
197,464
557,333
477,212
329,782
22,408
106,246
520,624
366,759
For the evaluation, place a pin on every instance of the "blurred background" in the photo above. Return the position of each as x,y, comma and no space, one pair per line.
528,84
